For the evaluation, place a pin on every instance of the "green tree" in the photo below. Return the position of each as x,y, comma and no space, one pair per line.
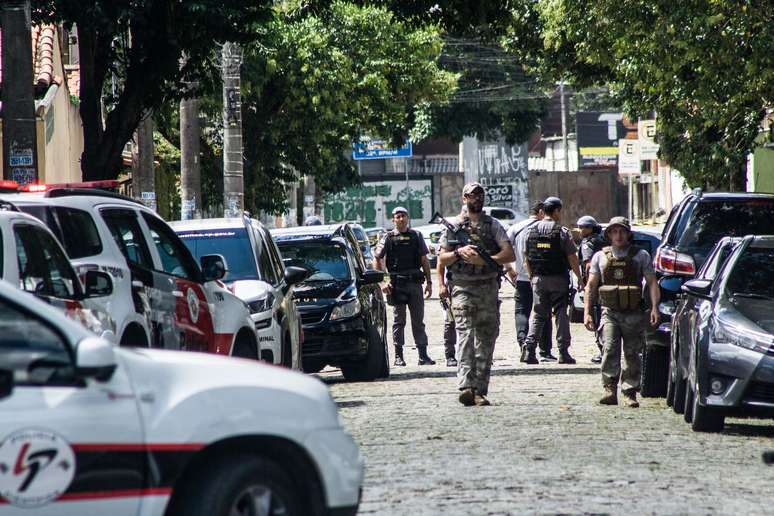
141,42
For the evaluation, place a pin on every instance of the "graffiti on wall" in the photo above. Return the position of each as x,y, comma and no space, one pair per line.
371,203
500,167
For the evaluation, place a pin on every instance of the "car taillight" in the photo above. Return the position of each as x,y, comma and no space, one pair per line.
669,262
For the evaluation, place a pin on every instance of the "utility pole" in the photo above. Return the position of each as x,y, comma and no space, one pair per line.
190,164
20,157
233,178
143,177
564,128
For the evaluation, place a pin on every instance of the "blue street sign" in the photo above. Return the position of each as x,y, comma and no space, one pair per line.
378,149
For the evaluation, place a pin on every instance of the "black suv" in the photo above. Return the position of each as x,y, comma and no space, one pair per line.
342,309
693,228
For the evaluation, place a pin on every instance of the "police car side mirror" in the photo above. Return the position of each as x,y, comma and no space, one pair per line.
98,284
294,275
371,278
95,358
213,267
6,383
698,287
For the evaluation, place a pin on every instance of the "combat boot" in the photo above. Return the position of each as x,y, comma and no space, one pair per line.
451,362
611,395
528,356
565,358
467,397
424,358
399,356
481,401
630,399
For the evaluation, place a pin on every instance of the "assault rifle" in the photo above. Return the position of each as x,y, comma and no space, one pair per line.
462,238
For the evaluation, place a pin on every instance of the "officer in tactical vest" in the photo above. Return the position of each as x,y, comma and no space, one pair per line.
405,253
615,277
592,242
550,254
475,304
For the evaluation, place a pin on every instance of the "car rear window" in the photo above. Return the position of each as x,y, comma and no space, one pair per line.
74,228
232,243
326,261
711,220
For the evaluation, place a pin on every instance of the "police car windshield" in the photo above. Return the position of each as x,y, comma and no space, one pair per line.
232,243
326,261
753,276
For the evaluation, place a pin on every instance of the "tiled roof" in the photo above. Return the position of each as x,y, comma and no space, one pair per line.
42,56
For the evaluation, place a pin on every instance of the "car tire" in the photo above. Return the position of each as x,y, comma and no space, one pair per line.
678,407
655,371
287,350
670,393
231,487
245,347
370,368
312,366
705,419
386,364
687,412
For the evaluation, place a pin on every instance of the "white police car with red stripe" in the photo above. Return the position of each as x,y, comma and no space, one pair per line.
87,428
161,297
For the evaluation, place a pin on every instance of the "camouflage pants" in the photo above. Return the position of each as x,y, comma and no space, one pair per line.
622,331
476,311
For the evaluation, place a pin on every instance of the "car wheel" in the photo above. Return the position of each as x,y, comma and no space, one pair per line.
245,347
687,412
386,364
705,419
242,487
287,350
655,370
370,368
670,393
679,403
312,366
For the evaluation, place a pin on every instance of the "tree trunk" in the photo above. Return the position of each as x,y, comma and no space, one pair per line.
190,162
143,177
233,178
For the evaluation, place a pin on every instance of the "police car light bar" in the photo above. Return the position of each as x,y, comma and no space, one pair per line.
108,184
8,186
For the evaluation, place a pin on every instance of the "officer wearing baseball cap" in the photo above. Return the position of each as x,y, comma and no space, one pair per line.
550,254
615,277
592,242
404,253
474,294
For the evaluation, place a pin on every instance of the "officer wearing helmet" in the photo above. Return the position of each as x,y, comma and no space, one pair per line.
615,278
404,253
592,242
550,254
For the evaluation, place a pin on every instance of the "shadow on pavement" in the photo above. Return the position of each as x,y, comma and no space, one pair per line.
396,376
748,430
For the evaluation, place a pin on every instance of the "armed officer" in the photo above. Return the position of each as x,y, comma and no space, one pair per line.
475,304
550,253
592,242
405,253
616,275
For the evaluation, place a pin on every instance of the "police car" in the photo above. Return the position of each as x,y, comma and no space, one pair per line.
34,261
88,428
257,275
161,298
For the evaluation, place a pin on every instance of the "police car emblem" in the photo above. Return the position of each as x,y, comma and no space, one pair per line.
36,467
193,305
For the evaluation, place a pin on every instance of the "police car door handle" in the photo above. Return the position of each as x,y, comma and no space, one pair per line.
177,293
137,284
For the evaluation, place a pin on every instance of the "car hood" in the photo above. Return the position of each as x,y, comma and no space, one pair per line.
185,379
324,290
248,290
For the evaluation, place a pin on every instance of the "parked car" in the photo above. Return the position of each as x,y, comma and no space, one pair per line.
365,245
257,275
506,216
88,428
692,230
33,260
161,297
341,304
725,342
431,233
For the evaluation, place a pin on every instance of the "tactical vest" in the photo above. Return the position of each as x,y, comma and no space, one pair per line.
621,288
481,235
403,251
597,243
544,252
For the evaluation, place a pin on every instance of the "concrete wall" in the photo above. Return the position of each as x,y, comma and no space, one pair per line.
598,193
447,193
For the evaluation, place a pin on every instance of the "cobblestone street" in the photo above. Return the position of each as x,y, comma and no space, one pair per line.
544,446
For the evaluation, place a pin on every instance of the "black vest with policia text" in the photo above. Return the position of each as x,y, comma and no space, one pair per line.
402,251
544,251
